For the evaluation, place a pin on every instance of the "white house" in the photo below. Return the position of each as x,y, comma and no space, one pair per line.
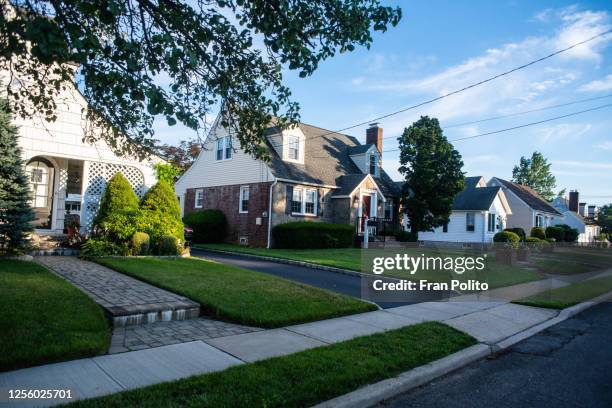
586,226
479,212
67,175
528,208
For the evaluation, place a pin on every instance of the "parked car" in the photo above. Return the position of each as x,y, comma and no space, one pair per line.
188,231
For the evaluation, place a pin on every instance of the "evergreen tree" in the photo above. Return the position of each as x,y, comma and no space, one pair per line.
118,197
160,213
15,211
432,169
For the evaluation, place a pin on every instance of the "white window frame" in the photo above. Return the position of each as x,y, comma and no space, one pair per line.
303,193
491,227
539,220
224,145
293,144
199,196
467,224
241,199
375,157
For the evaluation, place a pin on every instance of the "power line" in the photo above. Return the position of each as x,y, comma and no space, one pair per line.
526,111
521,126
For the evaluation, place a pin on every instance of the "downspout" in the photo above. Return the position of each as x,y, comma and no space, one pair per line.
270,213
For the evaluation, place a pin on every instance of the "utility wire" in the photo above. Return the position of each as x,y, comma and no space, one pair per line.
521,126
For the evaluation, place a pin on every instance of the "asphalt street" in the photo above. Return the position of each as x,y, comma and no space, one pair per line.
568,365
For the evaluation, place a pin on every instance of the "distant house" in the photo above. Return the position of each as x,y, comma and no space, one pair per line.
529,209
68,176
478,213
570,208
313,175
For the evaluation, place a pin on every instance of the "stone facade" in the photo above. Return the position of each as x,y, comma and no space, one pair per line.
252,225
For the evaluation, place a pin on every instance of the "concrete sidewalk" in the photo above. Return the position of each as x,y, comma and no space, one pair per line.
487,321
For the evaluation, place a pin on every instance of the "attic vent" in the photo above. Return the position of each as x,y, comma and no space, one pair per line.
244,241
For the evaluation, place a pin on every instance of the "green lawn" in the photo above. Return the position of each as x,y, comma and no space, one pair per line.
496,275
44,319
562,267
302,379
238,295
570,295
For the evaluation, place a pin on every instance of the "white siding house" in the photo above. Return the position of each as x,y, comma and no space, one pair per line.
587,229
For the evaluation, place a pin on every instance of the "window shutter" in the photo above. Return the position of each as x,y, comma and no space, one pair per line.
319,203
289,198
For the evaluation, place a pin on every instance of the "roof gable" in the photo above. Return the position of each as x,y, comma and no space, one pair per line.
529,196
475,198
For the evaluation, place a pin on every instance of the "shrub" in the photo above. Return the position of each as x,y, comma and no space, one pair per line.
569,234
102,247
160,213
141,243
208,226
557,233
518,231
532,240
168,245
305,234
407,236
118,226
538,232
551,240
167,172
117,197
508,237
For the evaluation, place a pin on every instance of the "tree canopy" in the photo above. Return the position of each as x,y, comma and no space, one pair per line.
137,59
604,218
535,173
432,169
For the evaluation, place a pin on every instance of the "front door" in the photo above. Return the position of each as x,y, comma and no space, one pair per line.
366,202
40,174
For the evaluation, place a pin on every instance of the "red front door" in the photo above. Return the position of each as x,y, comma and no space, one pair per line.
365,210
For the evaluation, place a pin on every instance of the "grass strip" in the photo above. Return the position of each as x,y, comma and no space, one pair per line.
570,295
44,319
238,295
302,379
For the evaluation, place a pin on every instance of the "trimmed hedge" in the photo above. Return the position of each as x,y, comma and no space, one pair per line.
538,232
569,234
518,231
141,243
209,226
557,233
407,236
168,245
507,236
309,235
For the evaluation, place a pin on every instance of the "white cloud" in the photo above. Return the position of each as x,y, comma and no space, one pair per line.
598,85
563,131
543,16
603,145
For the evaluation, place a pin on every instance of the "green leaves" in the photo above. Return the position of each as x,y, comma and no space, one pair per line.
535,173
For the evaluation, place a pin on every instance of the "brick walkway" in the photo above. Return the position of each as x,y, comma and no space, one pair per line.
165,333
128,300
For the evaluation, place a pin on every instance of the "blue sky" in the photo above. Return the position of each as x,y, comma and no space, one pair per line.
440,46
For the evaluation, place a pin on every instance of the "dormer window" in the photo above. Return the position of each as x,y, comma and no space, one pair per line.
294,147
373,164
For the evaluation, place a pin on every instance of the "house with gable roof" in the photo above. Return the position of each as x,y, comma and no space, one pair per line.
313,175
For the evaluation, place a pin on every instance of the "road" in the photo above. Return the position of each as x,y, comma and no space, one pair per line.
568,365
337,282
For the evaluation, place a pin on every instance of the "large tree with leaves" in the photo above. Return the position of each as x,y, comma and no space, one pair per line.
15,211
138,59
535,173
432,169
604,218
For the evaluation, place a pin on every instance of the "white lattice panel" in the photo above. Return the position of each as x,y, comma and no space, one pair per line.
98,175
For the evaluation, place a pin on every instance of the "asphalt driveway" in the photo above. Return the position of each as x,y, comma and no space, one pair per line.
346,284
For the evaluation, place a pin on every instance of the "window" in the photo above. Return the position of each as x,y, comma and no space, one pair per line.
373,164
224,148
310,202
199,198
294,147
538,221
36,176
469,222
296,202
244,199
491,222
389,210
304,201
445,227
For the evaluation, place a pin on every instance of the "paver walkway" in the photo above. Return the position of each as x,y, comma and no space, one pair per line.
127,300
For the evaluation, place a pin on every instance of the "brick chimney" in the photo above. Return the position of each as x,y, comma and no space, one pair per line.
374,135
573,201
582,209
591,211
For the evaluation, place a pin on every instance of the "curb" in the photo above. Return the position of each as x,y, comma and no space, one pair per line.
375,393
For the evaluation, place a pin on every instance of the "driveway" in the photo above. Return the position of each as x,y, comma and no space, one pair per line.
336,282
568,365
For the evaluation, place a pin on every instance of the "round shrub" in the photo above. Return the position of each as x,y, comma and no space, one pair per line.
532,240
306,235
100,247
118,226
141,243
557,233
569,234
508,237
538,232
168,245
118,196
407,236
518,231
160,213
209,226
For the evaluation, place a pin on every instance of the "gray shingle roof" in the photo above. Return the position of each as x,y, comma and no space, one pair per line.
348,183
529,196
471,182
359,149
475,198
326,160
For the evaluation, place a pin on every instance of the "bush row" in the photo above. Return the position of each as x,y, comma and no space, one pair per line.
559,233
306,235
209,226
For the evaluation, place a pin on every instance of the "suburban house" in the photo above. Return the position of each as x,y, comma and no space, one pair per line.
478,213
67,175
570,208
313,175
528,208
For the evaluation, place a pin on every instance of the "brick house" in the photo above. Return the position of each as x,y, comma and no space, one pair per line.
314,174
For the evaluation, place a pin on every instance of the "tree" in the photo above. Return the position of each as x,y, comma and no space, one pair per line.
167,172
604,218
137,59
160,213
181,156
535,173
15,211
432,169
